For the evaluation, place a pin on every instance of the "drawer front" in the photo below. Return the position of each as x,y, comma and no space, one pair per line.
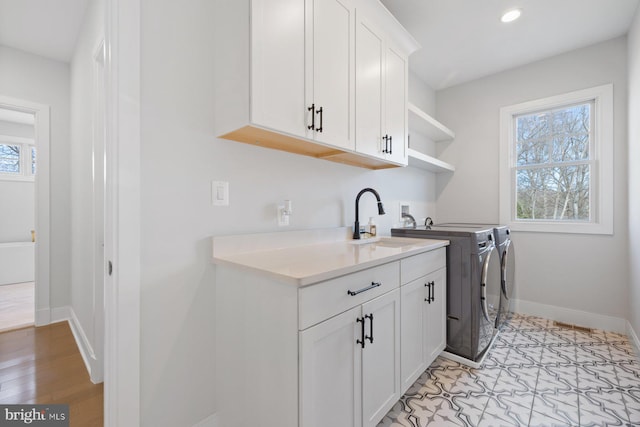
326,299
418,265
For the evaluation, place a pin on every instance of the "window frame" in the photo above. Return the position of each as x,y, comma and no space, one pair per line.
26,145
601,160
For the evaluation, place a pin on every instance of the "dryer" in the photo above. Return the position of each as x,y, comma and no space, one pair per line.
473,285
506,250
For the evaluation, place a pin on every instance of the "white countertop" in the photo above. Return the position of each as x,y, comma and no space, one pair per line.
305,257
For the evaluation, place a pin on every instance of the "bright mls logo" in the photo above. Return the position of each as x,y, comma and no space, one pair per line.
34,415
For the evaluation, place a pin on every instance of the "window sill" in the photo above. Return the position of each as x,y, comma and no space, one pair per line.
19,178
568,228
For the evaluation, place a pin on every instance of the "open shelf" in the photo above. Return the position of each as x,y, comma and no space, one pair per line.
424,124
431,164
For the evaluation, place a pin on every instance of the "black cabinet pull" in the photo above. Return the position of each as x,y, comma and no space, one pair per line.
359,291
433,291
386,143
320,111
370,337
313,116
361,341
390,144
428,286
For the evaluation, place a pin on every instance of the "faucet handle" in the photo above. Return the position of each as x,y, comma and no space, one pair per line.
428,222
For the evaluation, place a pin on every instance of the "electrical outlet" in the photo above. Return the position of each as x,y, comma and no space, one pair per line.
404,209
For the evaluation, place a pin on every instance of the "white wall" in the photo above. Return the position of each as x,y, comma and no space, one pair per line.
580,272
180,158
84,292
634,172
44,81
17,212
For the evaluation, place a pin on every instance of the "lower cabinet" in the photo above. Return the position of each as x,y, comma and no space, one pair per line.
350,365
338,353
423,325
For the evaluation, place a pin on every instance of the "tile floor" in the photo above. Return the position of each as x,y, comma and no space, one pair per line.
536,374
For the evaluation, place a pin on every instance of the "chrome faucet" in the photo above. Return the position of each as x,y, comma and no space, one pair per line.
413,220
356,227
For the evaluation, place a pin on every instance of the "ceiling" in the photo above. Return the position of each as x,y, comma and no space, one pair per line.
463,40
47,28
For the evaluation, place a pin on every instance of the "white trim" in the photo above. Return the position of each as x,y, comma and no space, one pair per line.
571,316
211,421
122,214
42,204
633,339
84,346
9,139
602,223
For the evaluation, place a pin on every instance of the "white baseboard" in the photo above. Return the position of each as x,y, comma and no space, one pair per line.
86,350
633,339
210,421
574,317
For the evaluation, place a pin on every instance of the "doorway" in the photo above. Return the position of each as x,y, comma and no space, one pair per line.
17,218
24,219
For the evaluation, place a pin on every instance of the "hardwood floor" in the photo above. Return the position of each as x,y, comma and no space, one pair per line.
43,365
16,306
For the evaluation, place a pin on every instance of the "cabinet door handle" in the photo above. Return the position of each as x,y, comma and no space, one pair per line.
386,143
359,291
313,116
320,111
370,337
361,341
433,291
390,144
428,298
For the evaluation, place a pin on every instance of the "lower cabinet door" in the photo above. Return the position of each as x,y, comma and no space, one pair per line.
380,357
330,372
413,299
436,338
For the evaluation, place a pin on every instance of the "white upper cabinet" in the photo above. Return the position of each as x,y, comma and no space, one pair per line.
286,79
330,59
277,65
382,51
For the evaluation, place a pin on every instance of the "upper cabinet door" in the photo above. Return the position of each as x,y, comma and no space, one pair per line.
396,77
277,65
369,87
330,70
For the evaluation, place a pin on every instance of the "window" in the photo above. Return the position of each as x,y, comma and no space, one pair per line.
17,159
556,163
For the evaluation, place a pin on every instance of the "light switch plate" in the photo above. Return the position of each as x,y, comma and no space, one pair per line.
220,193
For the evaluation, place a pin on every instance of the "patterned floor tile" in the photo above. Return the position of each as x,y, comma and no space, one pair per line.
497,413
542,420
632,402
471,407
597,377
537,374
598,408
559,405
557,355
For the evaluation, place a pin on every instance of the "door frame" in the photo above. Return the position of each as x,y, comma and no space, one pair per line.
122,214
42,301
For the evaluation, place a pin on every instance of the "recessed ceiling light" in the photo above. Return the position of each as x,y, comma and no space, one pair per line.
511,15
